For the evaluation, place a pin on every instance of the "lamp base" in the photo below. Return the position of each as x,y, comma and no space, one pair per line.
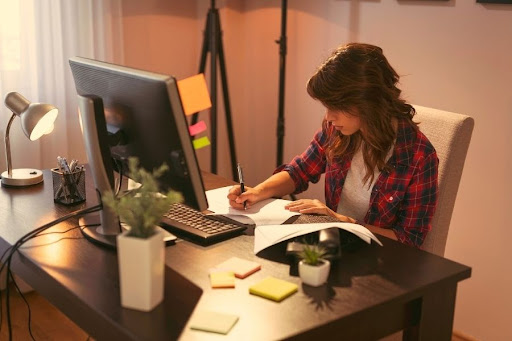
22,177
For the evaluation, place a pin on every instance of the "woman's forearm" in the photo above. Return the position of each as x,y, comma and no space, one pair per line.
382,231
374,229
276,186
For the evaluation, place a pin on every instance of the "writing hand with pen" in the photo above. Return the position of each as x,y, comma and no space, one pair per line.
242,200
276,186
242,197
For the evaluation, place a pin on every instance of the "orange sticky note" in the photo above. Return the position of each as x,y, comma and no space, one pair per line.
194,94
241,267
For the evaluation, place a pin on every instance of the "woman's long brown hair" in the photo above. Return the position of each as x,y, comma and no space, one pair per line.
357,79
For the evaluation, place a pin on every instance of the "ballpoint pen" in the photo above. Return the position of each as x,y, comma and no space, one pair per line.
63,165
241,180
72,165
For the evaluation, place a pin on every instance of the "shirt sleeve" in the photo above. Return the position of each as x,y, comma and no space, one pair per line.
308,166
419,204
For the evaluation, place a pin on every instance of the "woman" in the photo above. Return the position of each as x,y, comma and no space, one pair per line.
380,170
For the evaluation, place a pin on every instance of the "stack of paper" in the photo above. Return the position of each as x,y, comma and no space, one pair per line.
268,235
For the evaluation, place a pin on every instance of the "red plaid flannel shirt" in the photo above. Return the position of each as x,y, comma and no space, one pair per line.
403,199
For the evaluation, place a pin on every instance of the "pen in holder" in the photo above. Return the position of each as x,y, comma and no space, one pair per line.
68,188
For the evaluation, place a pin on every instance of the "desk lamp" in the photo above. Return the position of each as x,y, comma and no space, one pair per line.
36,120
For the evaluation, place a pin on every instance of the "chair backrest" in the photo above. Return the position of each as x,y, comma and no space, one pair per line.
450,133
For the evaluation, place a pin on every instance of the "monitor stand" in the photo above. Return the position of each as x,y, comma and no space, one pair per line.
92,222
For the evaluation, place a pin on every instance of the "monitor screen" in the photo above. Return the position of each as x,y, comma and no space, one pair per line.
143,118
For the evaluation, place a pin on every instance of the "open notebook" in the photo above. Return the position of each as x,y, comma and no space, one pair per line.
266,212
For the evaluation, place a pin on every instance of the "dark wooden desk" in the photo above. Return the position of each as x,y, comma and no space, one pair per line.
371,292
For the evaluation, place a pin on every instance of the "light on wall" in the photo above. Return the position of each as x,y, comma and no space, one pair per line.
36,120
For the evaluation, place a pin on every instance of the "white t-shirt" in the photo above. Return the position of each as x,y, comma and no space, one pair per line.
355,196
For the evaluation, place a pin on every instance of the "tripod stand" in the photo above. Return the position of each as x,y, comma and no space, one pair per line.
282,68
212,42
282,42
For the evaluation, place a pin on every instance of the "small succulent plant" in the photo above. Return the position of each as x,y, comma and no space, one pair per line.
312,254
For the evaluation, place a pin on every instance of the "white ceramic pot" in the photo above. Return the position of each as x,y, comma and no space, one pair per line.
141,270
314,275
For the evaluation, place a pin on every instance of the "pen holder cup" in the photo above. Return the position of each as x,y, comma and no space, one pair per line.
68,188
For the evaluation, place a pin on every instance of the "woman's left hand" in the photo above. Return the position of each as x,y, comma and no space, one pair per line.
310,206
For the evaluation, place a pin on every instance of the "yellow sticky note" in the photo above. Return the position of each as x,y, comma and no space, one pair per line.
222,279
194,94
201,142
273,288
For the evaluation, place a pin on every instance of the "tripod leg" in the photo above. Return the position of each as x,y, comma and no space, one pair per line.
202,62
227,105
282,69
214,39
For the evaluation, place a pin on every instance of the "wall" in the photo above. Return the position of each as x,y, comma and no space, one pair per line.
453,55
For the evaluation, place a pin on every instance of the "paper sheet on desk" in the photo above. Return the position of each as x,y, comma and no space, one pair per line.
268,235
266,212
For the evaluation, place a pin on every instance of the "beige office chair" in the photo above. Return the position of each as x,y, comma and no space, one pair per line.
450,134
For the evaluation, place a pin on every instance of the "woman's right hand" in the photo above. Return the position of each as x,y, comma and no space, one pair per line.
237,199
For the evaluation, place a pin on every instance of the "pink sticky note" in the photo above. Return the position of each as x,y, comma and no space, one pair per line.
197,128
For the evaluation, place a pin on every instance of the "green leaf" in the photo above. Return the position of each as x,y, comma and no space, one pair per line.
312,254
143,207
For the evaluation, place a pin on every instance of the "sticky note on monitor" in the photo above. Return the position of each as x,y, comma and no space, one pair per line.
201,142
197,128
211,321
273,288
241,267
194,94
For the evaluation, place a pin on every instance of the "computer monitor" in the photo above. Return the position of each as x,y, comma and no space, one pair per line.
127,112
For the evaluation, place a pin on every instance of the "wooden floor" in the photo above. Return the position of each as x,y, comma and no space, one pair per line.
48,323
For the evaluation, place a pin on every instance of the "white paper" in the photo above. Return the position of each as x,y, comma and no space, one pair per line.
268,235
266,212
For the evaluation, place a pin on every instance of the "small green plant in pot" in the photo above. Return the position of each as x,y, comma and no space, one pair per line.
143,207
312,254
141,250
313,268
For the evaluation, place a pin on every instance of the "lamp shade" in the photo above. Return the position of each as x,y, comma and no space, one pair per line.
36,118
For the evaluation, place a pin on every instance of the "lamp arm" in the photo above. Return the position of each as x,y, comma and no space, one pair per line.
8,145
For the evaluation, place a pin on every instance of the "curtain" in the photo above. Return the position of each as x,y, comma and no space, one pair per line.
37,37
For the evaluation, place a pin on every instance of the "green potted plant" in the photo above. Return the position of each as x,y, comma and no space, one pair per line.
313,268
140,249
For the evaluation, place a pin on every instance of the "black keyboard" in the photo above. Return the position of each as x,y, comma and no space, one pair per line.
199,226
